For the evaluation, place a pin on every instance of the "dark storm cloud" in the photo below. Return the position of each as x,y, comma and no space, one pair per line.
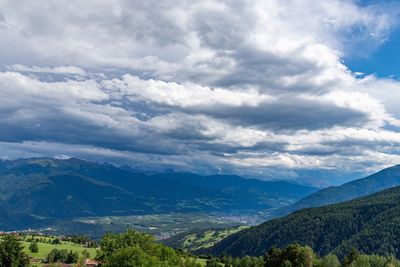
291,113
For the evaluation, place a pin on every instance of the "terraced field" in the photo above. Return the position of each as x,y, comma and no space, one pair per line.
200,239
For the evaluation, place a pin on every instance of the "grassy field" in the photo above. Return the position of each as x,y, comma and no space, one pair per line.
210,238
45,248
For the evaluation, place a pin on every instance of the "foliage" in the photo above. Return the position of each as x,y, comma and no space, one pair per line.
246,261
56,241
295,255
85,254
11,254
371,224
330,260
141,250
213,262
33,247
351,257
374,261
292,255
62,255
138,249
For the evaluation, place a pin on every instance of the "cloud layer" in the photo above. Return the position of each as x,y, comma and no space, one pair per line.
251,87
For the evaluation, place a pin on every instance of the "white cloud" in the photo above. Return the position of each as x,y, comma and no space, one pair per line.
187,95
202,85
52,70
16,87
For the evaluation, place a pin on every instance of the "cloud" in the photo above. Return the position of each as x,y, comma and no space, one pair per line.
251,87
52,70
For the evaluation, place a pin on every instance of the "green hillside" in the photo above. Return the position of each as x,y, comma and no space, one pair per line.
371,224
376,182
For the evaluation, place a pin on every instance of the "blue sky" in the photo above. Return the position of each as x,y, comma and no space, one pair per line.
384,61
300,89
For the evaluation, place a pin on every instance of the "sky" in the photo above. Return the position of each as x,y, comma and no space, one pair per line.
299,89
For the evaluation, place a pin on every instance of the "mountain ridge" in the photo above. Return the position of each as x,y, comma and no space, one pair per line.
68,188
384,179
370,224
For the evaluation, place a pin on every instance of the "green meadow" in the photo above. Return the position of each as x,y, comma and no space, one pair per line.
45,248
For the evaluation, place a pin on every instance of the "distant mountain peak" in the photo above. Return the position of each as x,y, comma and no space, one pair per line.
381,180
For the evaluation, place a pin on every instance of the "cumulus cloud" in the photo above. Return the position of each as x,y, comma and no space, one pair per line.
250,87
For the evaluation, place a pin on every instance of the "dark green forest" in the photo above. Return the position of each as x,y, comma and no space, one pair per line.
371,224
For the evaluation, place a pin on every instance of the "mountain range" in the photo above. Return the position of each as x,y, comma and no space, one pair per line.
36,191
370,224
387,178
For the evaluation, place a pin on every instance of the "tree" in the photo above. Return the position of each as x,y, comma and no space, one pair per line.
330,260
248,261
292,255
190,262
137,249
213,262
56,241
130,256
286,263
85,254
351,257
227,260
374,261
72,257
273,257
62,255
11,254
33,247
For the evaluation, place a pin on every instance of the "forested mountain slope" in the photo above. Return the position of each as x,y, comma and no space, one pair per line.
384,179
371,224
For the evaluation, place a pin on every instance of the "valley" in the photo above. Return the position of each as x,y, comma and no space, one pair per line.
198,215
39,192
161,226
